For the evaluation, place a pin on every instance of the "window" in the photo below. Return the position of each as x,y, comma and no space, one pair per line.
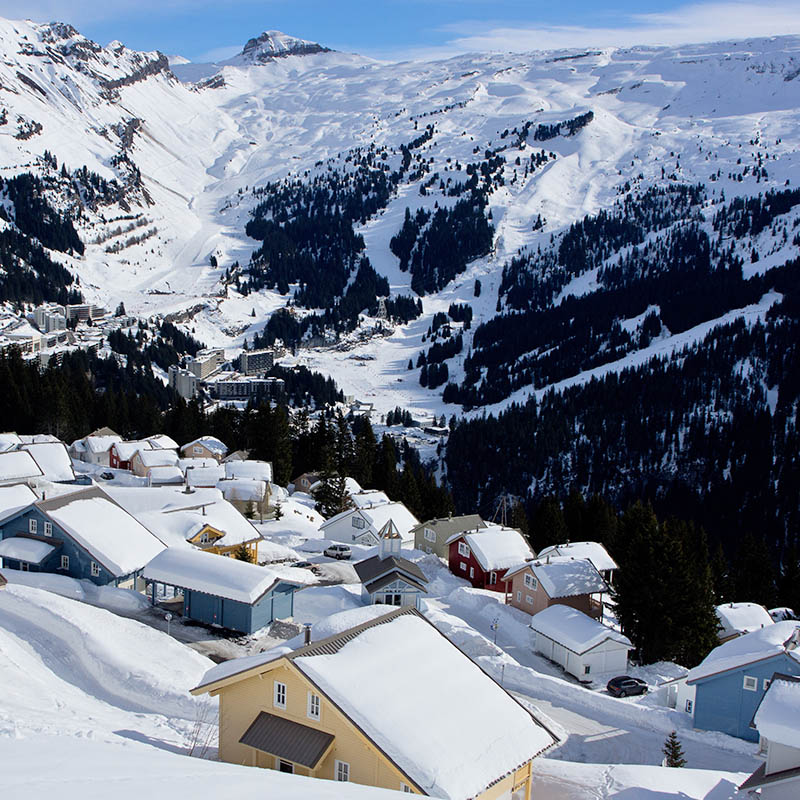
197,449
492,578
519,596
32,525
313,706
284,766
528,599
472,572
531,582
24,566
767,682
204,538
64,562
357,522
463,549
48,528
342,771
279,697
95,569
429,534
404,787
463,567
587,669
689,706
751,684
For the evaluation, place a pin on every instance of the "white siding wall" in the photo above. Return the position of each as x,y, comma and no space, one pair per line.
608,656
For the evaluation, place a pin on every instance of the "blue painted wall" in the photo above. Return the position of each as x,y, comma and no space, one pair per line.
80,561
723,704
238,616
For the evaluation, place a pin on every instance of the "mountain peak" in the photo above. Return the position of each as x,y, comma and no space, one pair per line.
275,44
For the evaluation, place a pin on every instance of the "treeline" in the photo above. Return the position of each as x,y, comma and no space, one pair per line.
749,216
545,132
713,434
34,216
164,345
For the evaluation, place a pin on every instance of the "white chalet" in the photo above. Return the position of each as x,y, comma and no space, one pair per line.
363,525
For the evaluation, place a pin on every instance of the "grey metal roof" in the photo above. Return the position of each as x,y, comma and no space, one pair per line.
288,740
760,777
450,525
372,568
380,583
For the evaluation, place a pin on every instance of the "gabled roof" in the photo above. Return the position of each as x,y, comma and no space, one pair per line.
127,450
564,577
14,499
97,443
760,645
592,551
741,618
371,568
391,577
243,489
777,717
574,629
162,441
367,498
210,443
495,547
212,574
450,755
254,470
19,465
284,738
448,526
377,516
53,459
157,458
114,538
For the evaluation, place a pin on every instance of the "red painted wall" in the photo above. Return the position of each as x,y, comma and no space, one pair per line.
480,579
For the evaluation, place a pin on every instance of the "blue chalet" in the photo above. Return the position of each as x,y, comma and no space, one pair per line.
219,590
731,681
83,534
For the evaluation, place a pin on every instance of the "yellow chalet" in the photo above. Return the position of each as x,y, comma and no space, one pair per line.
390,703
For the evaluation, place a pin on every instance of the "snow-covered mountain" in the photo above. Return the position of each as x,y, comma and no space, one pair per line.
191,157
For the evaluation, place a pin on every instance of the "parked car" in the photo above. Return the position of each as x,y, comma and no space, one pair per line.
624,685
306,565
107,476
338,551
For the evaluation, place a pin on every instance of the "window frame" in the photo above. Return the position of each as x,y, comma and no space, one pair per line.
463,566
278,689
689,706
519,595
64,562
310,703
750,683
47,528
429,535
94,569
472,572
463,549
531,582
341,771
358,523
33,525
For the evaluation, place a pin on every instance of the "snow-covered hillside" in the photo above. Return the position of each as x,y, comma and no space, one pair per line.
289,107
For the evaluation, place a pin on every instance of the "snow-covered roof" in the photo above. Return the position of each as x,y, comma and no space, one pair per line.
254,470
175,527
139,499
14,499
741,618
105,530
53,459
592,551
18,465
369,498
574,629
496,547
758,645
243,489
158,458
564,577
39,438
163,441
22,549
9,441
99,444
450,755
165,475
778,716
186,463
212,574
210,443
377,516
127,450
204,476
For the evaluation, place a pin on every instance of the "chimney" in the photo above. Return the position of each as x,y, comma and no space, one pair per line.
307,633
548,558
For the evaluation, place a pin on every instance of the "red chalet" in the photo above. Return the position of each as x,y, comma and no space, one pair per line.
482,557
121,453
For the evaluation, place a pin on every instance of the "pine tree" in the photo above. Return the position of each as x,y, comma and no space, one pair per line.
332,497
278,511
241,553
673,752
548,526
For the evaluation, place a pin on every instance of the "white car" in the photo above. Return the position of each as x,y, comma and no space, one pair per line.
338,551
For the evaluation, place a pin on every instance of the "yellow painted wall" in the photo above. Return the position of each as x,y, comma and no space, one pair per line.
240,704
